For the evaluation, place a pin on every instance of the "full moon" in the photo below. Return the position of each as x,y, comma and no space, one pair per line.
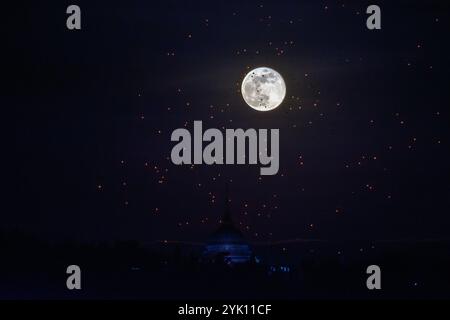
263,89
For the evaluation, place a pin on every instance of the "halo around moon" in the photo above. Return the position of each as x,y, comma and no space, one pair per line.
263,89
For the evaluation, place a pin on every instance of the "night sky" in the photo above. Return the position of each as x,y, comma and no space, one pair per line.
364,127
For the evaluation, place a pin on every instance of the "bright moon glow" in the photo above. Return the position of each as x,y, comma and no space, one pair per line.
263,89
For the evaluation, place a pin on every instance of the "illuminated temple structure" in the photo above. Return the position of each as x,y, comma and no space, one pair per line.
227,243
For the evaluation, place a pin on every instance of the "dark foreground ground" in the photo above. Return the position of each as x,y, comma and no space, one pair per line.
31,269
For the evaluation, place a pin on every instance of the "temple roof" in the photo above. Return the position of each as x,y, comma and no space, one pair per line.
227,232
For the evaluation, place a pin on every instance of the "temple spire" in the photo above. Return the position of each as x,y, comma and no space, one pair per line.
227,213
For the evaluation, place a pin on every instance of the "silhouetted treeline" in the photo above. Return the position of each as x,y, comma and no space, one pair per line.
34,268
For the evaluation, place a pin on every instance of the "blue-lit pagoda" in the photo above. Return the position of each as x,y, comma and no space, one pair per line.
227,243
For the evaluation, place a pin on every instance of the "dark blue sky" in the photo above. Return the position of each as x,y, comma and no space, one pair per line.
363,129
